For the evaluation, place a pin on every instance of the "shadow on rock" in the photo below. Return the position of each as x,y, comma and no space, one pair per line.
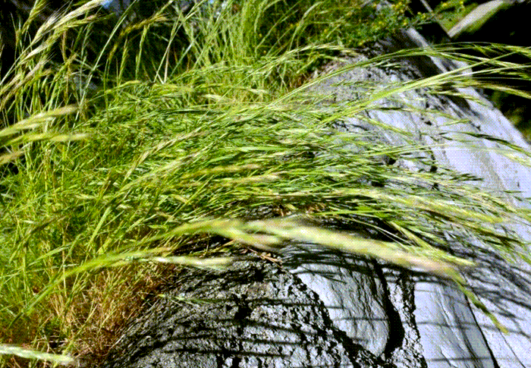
251,315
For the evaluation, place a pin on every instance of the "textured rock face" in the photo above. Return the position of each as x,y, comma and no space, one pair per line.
338,310
362,302
252,315
440,328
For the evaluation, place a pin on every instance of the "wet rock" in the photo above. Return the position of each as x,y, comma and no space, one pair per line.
374,309
251,315
440,328
355,299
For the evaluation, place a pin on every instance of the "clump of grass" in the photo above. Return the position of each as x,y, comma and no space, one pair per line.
201,124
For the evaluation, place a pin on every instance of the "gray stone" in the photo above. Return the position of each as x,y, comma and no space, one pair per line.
355,299
444,327
251,315
479,16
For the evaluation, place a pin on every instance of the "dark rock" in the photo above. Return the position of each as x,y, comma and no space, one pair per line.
355,291
251,315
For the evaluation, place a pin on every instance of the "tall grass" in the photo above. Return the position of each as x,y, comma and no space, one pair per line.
122,158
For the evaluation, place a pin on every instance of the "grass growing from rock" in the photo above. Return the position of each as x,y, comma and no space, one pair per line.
122,161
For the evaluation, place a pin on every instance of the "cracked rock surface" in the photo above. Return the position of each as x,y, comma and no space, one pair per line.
253,314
